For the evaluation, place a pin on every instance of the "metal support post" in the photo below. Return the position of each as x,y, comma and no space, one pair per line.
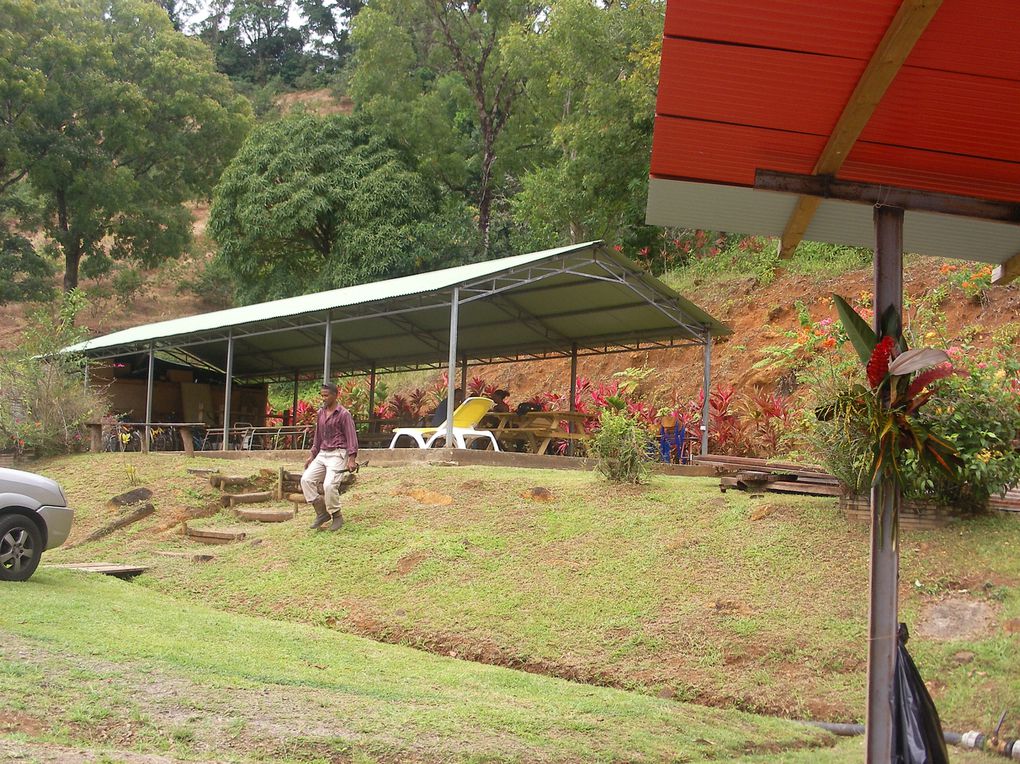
327,360
293,406
573,392
147,440
451,366
706,385
371,396
884,577
463,375
227,392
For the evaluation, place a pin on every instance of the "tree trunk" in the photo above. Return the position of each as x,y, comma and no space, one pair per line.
70,243
485,193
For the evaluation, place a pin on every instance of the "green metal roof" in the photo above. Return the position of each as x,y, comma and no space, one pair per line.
531,305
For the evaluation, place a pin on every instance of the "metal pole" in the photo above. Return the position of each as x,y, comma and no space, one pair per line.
293,406
573,392
884,577
327,361
371,397
707,383
451,366
85,366
227,392
463,375
148,400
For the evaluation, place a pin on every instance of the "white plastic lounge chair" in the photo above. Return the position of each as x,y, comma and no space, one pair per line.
465,419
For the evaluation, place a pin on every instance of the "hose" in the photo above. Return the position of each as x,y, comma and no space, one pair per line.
1008,748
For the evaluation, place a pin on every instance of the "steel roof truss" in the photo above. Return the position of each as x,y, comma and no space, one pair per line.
669,309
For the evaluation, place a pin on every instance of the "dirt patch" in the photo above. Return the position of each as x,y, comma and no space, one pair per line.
956,618
425,496
48,753
13,721
409,562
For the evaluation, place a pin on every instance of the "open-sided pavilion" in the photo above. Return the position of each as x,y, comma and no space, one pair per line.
879,122
560,303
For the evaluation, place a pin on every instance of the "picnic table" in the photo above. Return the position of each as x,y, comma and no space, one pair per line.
537,429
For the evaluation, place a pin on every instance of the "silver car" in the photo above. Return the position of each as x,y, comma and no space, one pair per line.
34,516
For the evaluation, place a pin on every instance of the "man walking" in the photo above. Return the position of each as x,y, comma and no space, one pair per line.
334,450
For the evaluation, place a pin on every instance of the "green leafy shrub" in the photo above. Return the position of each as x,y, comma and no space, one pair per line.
43,402
621,447
979,413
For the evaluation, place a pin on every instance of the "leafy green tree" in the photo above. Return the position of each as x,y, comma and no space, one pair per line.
592,74
327,29
25,274
115,119
436,71
313,203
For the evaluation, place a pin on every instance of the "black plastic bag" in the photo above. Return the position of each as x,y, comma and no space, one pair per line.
917,731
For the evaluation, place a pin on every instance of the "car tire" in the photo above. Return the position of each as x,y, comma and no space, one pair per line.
20,548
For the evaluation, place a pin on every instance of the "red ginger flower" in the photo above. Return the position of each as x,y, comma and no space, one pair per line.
878,366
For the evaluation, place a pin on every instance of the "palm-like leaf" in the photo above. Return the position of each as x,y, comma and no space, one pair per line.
862,336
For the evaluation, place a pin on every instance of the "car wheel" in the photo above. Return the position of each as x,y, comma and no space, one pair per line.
20,548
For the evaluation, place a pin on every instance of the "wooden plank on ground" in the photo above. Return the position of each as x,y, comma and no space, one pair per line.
105,568
265,515
214,535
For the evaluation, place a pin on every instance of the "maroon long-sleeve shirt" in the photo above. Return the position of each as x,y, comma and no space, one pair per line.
335,429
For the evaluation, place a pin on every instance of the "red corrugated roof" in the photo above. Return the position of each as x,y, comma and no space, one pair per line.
749,84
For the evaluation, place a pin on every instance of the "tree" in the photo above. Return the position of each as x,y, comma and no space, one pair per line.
25,275
592,74
312,203
115,119
441,64
327,28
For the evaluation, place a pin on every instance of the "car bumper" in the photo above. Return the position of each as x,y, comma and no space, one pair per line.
58,524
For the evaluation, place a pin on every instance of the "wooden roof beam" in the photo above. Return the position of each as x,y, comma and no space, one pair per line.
899,39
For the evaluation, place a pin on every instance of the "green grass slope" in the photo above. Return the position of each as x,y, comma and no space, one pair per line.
100,655
672,588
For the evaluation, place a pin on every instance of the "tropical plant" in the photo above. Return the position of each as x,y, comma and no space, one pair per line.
874,427
621,446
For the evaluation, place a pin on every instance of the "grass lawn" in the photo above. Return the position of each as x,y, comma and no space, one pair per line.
112,663
671,588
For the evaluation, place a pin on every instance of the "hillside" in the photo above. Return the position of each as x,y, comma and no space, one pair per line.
761,316
672,589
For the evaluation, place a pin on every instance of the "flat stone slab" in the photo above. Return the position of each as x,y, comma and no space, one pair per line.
190,556
106,568
134,496
957,617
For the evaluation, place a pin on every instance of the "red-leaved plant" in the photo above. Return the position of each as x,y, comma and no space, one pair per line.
899,380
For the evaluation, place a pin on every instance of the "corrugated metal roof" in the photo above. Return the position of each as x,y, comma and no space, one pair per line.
538,303
317,302
760,84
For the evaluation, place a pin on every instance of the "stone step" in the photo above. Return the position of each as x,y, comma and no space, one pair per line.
190,556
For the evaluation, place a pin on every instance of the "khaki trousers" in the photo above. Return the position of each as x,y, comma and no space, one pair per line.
327,466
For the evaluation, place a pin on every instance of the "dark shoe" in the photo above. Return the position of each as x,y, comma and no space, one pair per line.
338,522
321,515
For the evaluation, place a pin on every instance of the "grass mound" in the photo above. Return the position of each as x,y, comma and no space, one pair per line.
671,588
